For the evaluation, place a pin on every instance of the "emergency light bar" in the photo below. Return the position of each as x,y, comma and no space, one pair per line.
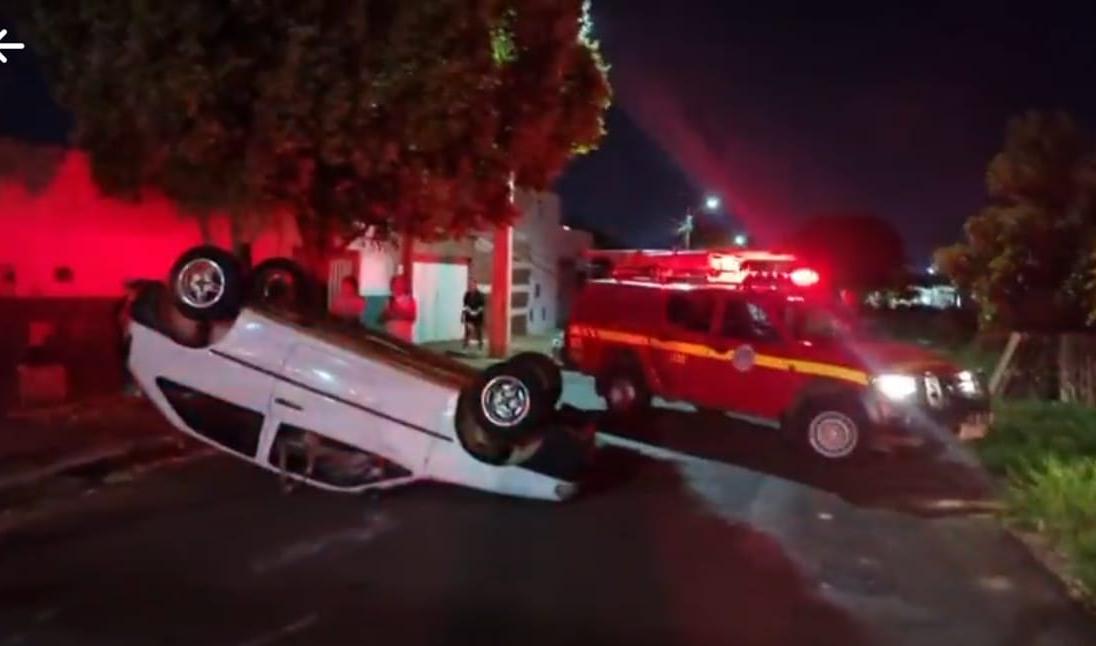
732,267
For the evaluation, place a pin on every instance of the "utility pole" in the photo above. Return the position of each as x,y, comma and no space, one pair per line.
686,229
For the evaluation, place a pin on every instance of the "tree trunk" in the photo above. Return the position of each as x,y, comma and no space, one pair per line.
241,241
999,380
203,228
313,253
1069,363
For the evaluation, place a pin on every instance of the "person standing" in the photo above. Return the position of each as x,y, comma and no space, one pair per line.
472,314
399,317
348,304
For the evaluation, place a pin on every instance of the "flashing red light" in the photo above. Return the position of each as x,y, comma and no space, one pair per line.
804,277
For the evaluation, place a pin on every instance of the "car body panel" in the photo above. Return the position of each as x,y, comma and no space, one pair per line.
401,409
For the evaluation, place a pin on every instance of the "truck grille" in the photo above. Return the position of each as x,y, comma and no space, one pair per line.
935,393
942,389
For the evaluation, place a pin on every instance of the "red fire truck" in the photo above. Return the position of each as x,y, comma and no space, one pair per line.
755,333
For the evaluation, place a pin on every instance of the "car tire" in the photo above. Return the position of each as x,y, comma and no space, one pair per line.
510,401
206,284
282,283
551,377
625,390
833,429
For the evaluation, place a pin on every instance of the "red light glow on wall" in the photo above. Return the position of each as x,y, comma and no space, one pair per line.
96,243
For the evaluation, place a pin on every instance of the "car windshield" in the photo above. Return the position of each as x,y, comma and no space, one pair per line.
820,322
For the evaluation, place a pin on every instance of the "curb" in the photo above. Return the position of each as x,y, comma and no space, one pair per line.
1054,563
86,460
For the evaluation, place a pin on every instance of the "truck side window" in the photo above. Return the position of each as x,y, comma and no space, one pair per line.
743,320
691,311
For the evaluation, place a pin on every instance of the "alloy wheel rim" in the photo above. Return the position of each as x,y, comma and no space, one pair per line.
201,283
505,401
833,434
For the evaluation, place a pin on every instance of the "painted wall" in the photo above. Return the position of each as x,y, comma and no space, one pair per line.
541,288
64,239
65,253
439,293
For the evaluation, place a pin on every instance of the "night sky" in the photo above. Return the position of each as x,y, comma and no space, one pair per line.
787,109
792,109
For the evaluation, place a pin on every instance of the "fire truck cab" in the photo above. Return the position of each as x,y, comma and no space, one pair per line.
754,333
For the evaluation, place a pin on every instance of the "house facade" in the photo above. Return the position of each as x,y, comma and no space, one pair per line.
68,250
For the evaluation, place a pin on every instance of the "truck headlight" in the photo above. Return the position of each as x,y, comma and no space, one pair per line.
896,387
967,383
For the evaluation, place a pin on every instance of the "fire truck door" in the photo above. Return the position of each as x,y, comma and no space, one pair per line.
683,351
744,333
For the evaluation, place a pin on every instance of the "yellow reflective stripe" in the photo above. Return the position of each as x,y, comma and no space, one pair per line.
683,347
831,370
623,337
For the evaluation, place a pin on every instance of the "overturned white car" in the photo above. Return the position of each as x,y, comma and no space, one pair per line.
232,360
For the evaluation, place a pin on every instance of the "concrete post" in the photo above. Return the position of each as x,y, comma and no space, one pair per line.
498,320
407,259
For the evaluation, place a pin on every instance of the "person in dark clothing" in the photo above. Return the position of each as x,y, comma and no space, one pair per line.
472,315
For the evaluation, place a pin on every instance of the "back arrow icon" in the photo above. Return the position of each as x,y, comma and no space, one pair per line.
3,46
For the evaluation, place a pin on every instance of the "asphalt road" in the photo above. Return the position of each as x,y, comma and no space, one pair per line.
693,530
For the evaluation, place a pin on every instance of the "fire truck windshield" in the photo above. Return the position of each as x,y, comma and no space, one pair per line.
817,322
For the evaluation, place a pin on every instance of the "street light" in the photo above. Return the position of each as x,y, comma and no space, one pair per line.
711,204
740,240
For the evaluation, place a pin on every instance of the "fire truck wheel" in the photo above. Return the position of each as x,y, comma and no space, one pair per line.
834,429
511,402
625,390
550,375
207,284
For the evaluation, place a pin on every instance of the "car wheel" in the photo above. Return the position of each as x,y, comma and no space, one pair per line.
207,284
282,283
511,401
834,429
551,377
625,391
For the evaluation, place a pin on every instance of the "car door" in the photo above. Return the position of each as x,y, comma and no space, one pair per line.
359,401
220,393
684,353
752,378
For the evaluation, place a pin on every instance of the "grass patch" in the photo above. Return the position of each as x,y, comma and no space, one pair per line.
1028,432
1047,453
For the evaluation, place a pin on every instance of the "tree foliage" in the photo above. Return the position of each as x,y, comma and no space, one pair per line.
1027,256
857,251
413,117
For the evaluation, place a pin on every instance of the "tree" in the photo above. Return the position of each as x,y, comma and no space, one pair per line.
33,166
1028,254
409,117
856,251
